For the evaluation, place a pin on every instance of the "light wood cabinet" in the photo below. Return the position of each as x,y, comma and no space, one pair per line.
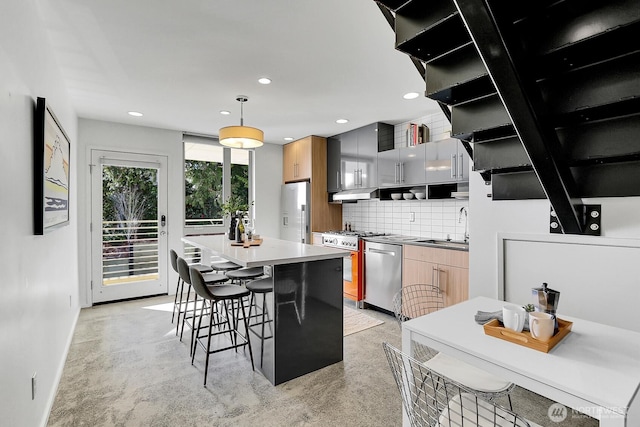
444,268
306,160
296,160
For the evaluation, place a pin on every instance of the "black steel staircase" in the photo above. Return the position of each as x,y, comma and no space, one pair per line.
548,92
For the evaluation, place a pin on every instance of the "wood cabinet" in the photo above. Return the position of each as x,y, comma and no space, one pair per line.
306,160
444,268
296,160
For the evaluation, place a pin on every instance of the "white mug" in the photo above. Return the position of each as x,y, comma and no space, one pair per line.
541,325
513,317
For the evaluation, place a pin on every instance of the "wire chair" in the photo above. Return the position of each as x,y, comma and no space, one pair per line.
420,299
431,399
414,301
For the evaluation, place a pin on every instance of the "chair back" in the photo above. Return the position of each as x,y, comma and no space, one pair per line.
431,399
416,300
199,285
173,256
183,270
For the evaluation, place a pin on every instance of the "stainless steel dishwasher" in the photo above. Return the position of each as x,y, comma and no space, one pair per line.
382,273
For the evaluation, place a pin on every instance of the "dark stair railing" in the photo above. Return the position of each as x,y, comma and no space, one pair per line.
548,91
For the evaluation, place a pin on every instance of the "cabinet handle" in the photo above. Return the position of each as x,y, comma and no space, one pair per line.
401,172
434,278
396,179
338,183
454,165
460,166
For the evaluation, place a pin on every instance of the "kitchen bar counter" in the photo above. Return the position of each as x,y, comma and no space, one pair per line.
270,252
305,305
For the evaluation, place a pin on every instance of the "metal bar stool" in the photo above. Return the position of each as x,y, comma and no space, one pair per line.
224,266
260,286
209,279
177,304
224,294
242,275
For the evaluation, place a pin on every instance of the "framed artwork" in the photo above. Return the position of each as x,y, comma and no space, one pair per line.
52,162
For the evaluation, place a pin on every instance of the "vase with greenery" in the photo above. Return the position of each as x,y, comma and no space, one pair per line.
235,208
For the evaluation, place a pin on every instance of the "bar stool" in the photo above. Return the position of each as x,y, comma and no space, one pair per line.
260,286
242,275
223,294
208,278
224,266
173,256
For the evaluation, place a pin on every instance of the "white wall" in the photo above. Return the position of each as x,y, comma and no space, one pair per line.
39,285
94,134
488,219
267,184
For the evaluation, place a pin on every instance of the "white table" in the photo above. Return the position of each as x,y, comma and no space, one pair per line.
594,370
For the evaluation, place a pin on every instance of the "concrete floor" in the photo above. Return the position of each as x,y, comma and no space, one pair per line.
126,367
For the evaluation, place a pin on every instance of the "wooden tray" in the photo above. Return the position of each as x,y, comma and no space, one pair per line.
248,243
524,338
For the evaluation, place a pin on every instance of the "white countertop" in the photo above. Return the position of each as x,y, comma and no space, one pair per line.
271,252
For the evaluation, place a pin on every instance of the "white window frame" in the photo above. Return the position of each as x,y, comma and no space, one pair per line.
226,183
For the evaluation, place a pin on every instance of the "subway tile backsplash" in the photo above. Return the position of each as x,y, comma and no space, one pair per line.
435,219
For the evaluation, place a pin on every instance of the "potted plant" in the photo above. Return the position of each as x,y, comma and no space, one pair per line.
234,207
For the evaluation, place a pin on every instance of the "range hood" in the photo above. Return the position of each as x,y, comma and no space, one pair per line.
356,194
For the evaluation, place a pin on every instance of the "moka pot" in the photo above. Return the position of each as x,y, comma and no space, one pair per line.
546,300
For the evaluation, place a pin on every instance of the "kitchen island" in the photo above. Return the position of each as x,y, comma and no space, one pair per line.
305,305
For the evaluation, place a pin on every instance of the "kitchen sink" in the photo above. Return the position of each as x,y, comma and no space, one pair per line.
443,243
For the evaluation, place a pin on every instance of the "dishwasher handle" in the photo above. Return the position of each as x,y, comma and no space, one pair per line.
380,251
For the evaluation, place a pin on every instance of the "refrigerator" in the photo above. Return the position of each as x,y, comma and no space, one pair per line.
295,201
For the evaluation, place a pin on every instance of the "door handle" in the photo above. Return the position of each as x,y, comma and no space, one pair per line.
163,220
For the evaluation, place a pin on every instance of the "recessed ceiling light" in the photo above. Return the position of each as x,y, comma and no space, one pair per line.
135,114
342,121
225,112
264,80
288,138
411,95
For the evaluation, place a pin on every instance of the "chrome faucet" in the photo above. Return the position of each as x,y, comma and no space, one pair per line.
463,211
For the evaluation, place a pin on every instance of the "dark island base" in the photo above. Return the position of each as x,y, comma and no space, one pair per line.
308,321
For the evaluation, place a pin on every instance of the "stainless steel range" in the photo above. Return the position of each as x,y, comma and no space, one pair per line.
345,239
352,268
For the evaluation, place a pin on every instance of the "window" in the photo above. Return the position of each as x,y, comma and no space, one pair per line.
212,174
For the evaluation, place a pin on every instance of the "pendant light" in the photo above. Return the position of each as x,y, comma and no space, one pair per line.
241,136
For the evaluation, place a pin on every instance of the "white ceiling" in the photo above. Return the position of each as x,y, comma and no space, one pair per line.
180,62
